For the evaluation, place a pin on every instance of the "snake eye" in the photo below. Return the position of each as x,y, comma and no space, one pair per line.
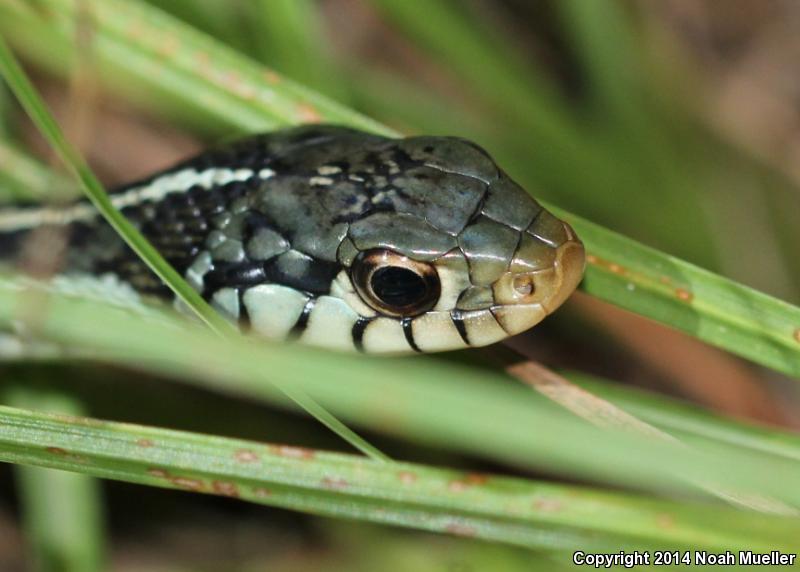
395,284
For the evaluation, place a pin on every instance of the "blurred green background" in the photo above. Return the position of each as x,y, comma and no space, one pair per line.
675,122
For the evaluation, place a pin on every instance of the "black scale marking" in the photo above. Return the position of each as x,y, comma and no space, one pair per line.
302,321
358,332
457,317
408,330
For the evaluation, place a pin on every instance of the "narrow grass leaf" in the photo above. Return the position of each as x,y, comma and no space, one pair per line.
157,51
290,38
426,400
690,422
62,512
676,293
23,177
526,513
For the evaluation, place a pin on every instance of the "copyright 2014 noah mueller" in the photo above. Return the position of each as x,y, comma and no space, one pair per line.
683,557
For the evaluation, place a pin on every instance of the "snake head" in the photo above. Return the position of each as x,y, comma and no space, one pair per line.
458,255
354,241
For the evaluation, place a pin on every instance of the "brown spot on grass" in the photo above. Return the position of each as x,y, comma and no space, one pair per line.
292,452
547,505
334,483
607,264
180,482
168,47
225,488
407,477
202,59
684,295
470,480
665,280
245,90
231,80
135,31
272,77
797,335
146,443
74,457
308,113
262,492
245,456
457,486
187,483
460,529
476,479
665,520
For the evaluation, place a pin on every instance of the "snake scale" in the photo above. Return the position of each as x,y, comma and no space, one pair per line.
337,238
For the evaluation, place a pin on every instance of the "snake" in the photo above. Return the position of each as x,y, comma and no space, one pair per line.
334,237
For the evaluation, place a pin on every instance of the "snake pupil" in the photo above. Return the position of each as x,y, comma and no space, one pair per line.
399,287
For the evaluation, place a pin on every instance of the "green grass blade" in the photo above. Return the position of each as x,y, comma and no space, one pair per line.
705,305
223,20
603,38
290,38
426,401
690,422
155,50
493,69
23,177
61,512
515,511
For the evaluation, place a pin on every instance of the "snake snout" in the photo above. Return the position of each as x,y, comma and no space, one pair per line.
567,272
543,274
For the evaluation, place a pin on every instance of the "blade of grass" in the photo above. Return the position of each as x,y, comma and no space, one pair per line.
26,93
290,38
23,177
705,305
455,407
192,69
622,271
689,421
61,511
503,509
603,413
602,38
645,134
494,70
222,20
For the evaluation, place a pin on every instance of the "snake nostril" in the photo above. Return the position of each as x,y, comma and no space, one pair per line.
523,285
